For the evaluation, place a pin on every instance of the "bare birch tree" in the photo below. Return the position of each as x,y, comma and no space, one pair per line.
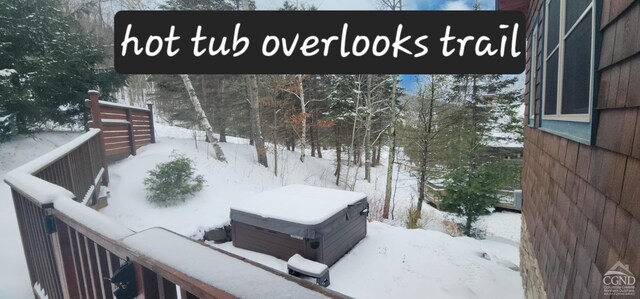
367,130
303,112
297,89
254,103
203,121
393,5
392,148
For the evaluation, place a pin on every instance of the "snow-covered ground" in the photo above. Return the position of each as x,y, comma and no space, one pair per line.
390,262
393,262
14,276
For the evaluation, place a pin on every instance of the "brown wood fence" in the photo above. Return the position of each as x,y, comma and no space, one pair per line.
71,249
126,128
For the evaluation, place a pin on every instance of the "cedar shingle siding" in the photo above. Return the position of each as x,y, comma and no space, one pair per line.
581,203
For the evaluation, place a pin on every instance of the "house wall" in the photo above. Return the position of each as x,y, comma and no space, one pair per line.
581,210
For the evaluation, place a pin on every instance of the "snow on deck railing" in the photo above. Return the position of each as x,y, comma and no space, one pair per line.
211,267
56,154
42,193
36,189
112,104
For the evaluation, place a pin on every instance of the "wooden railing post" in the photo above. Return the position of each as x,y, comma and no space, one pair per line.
94,101
94,105
151,125
132,137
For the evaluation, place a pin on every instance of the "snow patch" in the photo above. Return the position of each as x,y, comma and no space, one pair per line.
7,72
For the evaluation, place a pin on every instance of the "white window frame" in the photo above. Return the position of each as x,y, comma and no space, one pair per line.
560,48
533,74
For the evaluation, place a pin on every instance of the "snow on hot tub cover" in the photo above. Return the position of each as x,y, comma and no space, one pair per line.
299,210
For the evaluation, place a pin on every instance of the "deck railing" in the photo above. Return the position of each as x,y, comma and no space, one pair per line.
72,250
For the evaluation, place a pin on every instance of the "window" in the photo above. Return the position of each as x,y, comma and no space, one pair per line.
568,68
569,62
533,63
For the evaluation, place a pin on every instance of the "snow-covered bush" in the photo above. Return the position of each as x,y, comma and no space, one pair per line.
8,127
173,181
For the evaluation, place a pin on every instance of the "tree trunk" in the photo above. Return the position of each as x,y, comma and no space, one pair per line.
353,130
374,152
275,142
367,133
319,149
256,128
222,117
303,109
467,226
392,150
338,162
312,140
203,121
425,146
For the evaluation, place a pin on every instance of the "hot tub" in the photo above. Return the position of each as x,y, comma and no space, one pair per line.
320,224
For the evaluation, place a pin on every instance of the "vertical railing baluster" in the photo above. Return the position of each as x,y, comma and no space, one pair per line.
62,244
77,263
93,270
147,282
33,237
83,265
167,289
18,203
186,295
103,269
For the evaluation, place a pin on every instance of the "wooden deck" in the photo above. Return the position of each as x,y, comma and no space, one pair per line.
71,249
434,193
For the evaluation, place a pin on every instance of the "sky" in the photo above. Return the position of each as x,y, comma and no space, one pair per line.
409,82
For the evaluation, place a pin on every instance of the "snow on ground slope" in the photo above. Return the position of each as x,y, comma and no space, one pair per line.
390,262
393,262
240,178
319,172
14,276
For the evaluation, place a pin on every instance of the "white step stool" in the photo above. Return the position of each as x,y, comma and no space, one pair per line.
298,265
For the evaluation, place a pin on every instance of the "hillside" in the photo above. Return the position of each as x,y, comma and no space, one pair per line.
390,261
